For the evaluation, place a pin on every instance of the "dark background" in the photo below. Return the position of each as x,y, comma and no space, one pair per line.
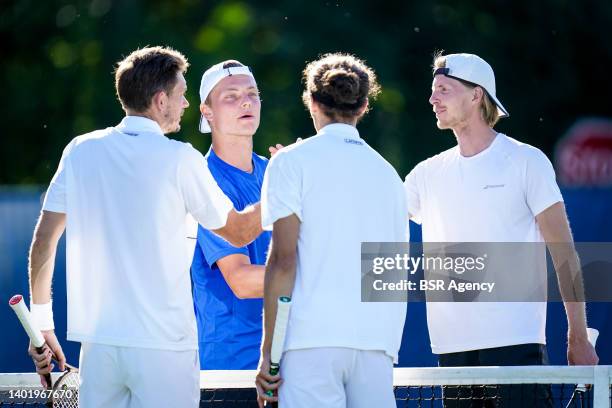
551,59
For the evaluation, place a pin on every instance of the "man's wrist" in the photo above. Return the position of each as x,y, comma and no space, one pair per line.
42,315
577,336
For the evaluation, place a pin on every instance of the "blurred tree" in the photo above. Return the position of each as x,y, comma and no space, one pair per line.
549,57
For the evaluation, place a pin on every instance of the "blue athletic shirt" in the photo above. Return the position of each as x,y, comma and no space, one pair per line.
229,329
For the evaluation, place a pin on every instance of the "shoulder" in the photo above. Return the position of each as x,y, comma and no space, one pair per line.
96,135
435,162
383,163
185,150
522,152
83,142
294,153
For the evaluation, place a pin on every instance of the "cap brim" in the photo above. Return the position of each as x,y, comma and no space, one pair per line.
204,126
503,112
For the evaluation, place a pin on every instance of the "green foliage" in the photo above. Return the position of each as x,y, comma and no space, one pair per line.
58,57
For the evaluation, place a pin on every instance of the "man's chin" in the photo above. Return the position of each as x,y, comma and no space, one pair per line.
174,129
442,125
247,131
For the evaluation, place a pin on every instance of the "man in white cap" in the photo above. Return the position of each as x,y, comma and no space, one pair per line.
228,280
489,188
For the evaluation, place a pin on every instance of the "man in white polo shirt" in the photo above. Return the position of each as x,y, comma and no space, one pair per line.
325,196
489,188
124,195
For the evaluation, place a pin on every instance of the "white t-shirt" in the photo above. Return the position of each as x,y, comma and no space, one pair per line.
493,196
344,193
127,193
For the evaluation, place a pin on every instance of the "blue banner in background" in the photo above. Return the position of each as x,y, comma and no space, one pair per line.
588,209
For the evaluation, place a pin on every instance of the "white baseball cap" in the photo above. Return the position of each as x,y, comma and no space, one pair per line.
473,69
211,78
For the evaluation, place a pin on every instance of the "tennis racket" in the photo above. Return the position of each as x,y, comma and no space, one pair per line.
65,392
577,399
278,337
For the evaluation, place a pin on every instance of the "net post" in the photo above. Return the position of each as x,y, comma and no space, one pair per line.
601,386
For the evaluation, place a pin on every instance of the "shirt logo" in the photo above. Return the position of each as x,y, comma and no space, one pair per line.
353,141
488,186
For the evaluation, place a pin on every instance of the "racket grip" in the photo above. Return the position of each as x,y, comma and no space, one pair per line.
47,376
274,368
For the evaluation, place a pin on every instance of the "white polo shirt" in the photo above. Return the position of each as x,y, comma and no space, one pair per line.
493,196
344,193
127,192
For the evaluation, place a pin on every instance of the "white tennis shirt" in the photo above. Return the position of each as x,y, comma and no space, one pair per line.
127,192
344,193
493,196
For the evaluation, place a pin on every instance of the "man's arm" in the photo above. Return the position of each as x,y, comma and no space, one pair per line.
244,279
555,229
279,281
47,233
242,227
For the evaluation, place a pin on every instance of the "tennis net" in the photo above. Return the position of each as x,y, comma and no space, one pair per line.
549,386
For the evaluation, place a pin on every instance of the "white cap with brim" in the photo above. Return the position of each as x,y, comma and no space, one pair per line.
211,78
473,69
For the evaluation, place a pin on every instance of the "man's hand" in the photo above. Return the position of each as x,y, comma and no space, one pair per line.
266,382
51,351
580,351
274,149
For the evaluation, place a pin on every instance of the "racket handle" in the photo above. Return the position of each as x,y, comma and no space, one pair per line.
274,368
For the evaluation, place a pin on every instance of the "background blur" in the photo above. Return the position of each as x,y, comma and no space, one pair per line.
551,59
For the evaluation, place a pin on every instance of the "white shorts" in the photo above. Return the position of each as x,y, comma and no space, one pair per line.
132,377
334,377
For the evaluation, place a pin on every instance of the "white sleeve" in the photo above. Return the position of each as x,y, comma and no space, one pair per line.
542,190
281,190
413,196
55,198
204,200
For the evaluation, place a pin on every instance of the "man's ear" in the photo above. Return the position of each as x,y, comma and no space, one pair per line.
160,100
313,106
206,111
478,94
364,108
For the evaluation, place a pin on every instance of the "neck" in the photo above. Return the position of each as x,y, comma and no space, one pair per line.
234,150
320,121
474,137
146,114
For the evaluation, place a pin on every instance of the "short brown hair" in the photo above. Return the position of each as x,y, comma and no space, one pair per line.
488,108
340,83
146,71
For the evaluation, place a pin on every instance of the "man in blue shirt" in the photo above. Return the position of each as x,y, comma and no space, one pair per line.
228,281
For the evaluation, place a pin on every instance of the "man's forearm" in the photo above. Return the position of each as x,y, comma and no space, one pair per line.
42,261
576,319
571,287
246,281
251,217
243,227
279,281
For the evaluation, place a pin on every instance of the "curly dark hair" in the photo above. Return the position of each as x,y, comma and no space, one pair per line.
340,83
